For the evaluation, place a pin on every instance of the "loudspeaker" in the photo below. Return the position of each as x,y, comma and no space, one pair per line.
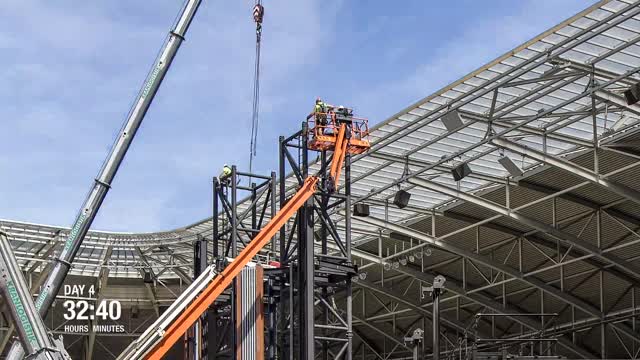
633,94
147,278
401,200
361,210
510,166
452,120
460,171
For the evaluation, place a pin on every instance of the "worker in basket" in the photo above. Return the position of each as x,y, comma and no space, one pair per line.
225,175
343,114
320,113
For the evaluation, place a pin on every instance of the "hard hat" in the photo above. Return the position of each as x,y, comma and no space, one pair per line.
225,165
318,99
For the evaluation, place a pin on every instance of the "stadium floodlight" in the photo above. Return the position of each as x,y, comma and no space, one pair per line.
510,166
461,171
632,94
403,261
362,275
452,120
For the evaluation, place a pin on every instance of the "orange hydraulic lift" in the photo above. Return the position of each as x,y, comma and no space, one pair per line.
337,131
341,136
224,279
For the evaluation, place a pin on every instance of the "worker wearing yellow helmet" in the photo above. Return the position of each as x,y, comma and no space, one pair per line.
226,173
320,111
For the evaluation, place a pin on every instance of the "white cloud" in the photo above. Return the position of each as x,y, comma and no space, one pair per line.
72,77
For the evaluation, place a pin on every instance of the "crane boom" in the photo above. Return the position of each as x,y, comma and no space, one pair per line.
102,183
161,336
31,330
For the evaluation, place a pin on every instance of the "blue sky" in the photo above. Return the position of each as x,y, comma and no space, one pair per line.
70,71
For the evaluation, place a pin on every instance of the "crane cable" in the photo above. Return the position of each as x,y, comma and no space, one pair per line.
258,14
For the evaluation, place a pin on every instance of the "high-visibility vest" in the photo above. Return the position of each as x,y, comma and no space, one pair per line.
226,171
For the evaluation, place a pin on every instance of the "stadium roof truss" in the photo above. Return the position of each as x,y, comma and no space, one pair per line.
563,237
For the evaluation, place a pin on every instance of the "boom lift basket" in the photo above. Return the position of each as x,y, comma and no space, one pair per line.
324,128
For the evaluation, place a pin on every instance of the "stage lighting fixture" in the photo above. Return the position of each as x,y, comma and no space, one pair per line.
510,166
452,120
412,258
632,94
461,171
427,252
418,254
387,266
362,275
401,199
396,265
361,210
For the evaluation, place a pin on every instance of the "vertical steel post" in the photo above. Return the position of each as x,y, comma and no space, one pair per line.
234,253
271,349
436,323
213,326
282,251
347,225
323,239
307,268
273,211
200,328
273,330
291,324
234,212
214,219
281,194
254,213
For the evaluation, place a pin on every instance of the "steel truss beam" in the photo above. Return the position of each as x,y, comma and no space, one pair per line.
486,261
570,167
487,302
453,325
616,100
570,239
554,51
383,333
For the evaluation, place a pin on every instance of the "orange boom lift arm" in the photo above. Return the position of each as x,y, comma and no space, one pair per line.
224,279
154,343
